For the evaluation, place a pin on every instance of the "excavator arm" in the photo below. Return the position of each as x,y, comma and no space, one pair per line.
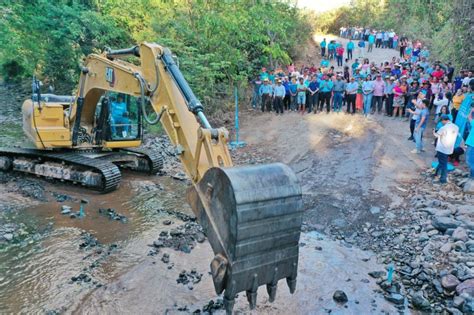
252,215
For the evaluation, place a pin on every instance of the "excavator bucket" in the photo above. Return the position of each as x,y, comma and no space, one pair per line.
252,217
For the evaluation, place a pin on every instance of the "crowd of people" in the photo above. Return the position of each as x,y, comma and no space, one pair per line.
409,88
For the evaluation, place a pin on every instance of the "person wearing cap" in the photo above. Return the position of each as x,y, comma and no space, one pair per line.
446,137
388,91
396,72
361,46
379,90
278,95
338,89
266,91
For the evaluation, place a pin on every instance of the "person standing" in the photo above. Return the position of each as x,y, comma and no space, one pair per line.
287,98
458,98
339,87
403,45
325,88
350,49
339,55
266,92
389,85
397,99
446,137
420,126
371,41
361,45
278,95
378,39
313,89
301,90
293,94
367,90
323,45
351,93
379,90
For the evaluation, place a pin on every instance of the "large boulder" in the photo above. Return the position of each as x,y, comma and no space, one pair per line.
444,223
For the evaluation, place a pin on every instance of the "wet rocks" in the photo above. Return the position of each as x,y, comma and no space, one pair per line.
189,278
165,258
66,209
112,214
81,278
31,188
377,274
395,298
88,241
62,197
340,296
375,210
182,238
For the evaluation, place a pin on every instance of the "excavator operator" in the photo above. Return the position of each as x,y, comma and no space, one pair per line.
119,120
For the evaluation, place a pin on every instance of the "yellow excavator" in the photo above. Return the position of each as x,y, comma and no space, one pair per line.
251,215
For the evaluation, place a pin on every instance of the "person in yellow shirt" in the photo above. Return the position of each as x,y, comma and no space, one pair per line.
458,98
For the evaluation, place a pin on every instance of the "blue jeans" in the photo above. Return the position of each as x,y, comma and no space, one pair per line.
419,138
367,103
337,101
442,168
470,159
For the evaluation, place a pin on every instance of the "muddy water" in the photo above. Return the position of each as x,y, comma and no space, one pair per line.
35,275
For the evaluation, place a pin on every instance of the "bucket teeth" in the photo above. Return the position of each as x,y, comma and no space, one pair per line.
272,291
252,298
291,284
229,305
252,217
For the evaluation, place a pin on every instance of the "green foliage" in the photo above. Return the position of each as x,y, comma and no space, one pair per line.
218,43
50,38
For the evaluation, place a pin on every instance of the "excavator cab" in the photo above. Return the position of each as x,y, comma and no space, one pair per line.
118,118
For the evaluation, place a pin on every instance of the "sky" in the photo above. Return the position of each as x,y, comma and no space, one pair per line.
322,5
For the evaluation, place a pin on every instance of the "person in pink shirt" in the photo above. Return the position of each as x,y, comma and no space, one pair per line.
397,99
379,88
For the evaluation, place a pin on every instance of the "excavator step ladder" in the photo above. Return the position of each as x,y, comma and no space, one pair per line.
252,216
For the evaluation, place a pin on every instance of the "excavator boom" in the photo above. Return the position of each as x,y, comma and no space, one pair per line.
252,215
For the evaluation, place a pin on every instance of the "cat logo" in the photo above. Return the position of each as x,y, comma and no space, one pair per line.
110,76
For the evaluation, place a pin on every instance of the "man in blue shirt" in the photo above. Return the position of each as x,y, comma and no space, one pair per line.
119,121
278,94
287,98
397,72
325,89
350,49
293,92
339,87
266,92
323,47
313,93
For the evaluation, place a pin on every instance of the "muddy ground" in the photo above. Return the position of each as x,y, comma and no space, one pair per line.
369,204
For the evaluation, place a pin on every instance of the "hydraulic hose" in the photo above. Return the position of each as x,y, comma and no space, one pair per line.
142,101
